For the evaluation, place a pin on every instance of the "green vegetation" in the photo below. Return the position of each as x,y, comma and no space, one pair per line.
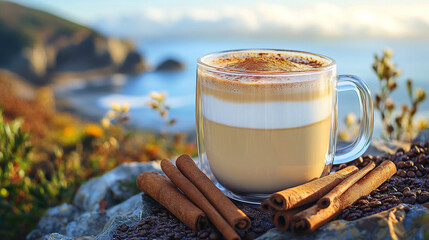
46,155
396,125
16,206
158,104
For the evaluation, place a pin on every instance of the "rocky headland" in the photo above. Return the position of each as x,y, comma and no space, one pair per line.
45,49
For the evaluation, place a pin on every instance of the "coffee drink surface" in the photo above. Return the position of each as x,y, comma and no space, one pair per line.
265,131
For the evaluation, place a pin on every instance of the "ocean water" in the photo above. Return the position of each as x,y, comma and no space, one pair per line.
352,56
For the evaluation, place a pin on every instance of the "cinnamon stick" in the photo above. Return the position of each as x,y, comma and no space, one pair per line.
343,186
282,219
163,191
234,216
265,206
309,192
312,218
198,198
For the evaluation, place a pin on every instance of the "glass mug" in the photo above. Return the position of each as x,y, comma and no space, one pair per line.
266,120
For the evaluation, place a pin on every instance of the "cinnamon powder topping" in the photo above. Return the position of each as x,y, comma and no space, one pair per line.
266,62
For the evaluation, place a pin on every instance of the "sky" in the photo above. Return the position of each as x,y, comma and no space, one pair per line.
262,19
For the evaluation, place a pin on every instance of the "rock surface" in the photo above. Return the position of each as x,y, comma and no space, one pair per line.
128,212
394,223
380,147
55,220
422,137
86,218
48,47
114,187
87,224
170,65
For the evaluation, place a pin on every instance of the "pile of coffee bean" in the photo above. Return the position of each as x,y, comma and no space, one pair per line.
161,224
409,185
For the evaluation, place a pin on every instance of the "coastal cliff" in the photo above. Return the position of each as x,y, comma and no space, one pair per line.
44,48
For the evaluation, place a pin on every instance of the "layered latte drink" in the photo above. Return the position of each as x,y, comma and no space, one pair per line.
259,129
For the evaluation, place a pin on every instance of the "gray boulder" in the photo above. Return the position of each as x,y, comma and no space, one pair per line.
115,186
84,219
131,211
401,222
139,205
394,223
127,212
87,224
55,220
380,147
113,224
57,236
133,63
170,65
422,137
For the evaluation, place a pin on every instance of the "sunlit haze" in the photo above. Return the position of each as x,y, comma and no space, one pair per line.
226,19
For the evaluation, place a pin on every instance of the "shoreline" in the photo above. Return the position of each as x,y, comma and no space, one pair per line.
94,115
66,80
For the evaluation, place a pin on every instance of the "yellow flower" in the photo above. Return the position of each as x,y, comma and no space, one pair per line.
21,173
343,135
69,131
420,94
388,53
397,73
152,149
111,114
158,96
113,142
422,124
116,107
4,193
390,105
93,130
350,119
105,123
125,107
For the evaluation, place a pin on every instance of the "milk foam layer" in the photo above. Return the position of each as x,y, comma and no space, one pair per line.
266,115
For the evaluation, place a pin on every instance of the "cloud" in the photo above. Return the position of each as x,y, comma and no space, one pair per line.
328,20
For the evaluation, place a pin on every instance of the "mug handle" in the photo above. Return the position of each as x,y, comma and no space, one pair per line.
361,143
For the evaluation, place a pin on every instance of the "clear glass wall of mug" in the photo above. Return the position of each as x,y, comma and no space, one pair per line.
267,119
